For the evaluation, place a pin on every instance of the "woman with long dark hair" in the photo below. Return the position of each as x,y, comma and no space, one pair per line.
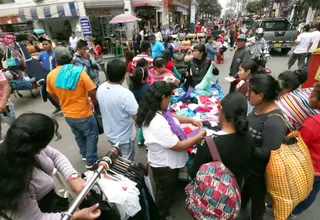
233,142
198,66
268,131
26,168
166,141
292,100
168,45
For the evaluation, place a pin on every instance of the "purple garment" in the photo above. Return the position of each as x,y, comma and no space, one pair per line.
175,128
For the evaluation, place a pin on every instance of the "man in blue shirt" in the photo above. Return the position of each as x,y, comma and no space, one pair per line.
49,63
157,47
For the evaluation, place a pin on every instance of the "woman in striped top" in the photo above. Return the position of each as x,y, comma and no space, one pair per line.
26,168
294,102
160,72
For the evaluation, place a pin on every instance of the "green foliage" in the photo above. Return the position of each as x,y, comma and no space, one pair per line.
315,4
255,7
211,7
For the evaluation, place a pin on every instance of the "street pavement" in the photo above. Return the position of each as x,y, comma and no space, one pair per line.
67,145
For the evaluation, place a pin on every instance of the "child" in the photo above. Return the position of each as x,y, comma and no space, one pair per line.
170,65
129,57
160,72
145,64
139,86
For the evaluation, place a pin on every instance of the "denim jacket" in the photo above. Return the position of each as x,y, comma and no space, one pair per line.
91,67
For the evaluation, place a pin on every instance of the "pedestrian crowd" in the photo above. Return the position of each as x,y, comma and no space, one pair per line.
255,118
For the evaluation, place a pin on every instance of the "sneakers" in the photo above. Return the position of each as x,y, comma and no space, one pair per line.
292,217
84,159
140,144
56,111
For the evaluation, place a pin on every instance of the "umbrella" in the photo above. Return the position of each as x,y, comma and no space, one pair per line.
123,18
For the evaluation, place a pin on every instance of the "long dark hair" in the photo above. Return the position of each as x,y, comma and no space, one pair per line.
27,136
167,41
292,79
265,84
151,102
166,55
235,107
254,68
137,76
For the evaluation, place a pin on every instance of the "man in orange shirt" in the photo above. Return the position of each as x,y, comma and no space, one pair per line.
70,86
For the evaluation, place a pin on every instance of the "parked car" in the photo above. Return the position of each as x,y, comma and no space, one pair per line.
278,32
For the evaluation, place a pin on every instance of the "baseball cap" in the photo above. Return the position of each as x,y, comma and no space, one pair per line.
62,53
152,36
242,37
43,38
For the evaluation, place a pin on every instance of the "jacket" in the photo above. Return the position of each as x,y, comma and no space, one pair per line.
91,67
241,55
196,70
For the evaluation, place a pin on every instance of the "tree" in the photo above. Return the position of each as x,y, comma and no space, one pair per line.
211,7
255,7
313,4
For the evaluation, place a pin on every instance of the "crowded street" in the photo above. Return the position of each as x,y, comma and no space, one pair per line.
68,146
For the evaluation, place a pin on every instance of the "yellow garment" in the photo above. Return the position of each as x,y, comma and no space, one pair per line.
289,176
317,51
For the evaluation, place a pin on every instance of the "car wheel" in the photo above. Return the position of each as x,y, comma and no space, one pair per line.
285,51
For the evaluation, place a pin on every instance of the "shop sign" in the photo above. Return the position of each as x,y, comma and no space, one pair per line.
85,26
99,13
10,20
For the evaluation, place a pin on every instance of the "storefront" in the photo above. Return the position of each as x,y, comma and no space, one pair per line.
100,14
58,20
148,11
178,11
13,24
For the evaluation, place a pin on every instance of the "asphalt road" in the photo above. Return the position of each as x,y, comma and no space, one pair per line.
68,146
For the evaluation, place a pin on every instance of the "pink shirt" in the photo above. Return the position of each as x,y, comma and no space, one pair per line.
159,77
2,79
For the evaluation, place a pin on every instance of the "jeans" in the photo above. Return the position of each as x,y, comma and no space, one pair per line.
308,60
9,118
127,150
86,133
304,205
255,189
166,181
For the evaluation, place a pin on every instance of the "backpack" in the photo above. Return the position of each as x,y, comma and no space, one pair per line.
214,192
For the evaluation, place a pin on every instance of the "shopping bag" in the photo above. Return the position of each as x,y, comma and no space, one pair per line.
317,76
206,81
289,174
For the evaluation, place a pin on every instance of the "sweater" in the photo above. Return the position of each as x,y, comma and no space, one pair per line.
42,183
235,151
310,133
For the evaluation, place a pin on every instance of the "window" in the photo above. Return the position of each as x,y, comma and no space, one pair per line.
255,25
6,1
280,25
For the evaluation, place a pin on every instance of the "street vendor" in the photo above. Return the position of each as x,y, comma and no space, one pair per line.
198,66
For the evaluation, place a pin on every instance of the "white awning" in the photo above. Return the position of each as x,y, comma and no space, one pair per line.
146,3
182,10
104,4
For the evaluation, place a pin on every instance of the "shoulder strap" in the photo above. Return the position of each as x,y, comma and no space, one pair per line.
283,119
213,149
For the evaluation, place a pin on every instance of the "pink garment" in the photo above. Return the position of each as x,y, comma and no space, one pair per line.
150,78
2,79
160,77
205,100
203,109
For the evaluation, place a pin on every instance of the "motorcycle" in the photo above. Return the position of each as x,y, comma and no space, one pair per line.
261,57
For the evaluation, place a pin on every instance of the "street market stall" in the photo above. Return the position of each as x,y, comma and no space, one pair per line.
200,103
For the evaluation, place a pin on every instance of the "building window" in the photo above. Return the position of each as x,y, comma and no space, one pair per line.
6,1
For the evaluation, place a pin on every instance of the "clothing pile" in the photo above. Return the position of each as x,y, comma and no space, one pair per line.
201,105
125,193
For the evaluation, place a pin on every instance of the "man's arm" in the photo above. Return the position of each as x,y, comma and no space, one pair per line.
5,96
92,95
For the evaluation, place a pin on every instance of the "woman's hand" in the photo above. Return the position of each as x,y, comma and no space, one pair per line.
196,123
214,64
88,213
77,185
203,132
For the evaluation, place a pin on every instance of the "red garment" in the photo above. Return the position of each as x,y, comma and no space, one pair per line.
198,28
170,65
222,39
236,35
129,68
99,50
203,109
205,100
310,132
187,130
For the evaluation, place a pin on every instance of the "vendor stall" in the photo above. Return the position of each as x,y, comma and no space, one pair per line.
200,103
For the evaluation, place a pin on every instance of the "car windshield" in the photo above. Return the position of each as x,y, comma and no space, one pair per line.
276,25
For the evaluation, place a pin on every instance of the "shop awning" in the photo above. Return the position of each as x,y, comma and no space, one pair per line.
144,3
104,4
49,11
182,10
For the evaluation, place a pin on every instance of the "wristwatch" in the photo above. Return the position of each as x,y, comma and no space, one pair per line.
73,176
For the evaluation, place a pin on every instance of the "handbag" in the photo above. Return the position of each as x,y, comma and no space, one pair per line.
186,43
99,123
286,188
11,61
